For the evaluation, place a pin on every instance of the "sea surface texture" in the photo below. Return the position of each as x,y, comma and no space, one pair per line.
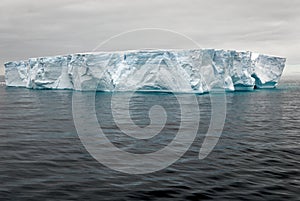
256,158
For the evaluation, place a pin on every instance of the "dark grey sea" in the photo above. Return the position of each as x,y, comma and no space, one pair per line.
257,156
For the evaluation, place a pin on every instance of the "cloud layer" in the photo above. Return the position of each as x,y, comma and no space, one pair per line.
35,28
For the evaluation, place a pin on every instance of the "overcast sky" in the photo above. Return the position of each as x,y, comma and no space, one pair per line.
32,28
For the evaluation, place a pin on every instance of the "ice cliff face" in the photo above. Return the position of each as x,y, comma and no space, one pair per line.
193,71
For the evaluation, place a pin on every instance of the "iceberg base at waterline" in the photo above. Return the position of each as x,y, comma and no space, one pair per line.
187,71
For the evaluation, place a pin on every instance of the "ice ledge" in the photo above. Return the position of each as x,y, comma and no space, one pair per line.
191,71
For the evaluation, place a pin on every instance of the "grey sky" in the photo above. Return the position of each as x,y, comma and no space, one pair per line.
32,28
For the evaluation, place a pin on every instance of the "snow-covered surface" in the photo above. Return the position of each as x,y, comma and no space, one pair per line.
191,71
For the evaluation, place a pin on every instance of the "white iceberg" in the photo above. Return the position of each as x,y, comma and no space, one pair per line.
189,71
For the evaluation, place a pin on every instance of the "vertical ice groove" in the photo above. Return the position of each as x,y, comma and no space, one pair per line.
192,71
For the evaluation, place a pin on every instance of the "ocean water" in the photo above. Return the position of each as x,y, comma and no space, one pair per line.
257,156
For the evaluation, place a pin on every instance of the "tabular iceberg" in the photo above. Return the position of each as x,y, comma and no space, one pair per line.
191,71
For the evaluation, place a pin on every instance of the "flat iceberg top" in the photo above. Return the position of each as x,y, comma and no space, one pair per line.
191,71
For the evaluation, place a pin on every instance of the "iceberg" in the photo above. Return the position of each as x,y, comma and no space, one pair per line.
188,71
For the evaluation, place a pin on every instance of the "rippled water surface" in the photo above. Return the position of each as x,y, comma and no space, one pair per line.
256,158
